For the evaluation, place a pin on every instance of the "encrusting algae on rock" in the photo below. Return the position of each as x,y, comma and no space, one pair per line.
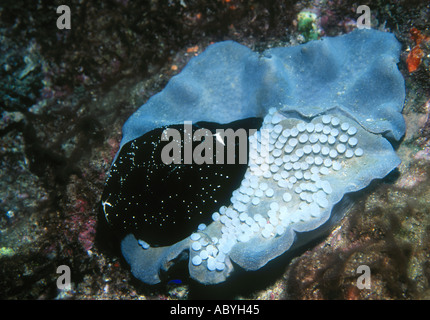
306,25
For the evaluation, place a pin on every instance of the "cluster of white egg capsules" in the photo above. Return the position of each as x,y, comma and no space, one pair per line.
284,183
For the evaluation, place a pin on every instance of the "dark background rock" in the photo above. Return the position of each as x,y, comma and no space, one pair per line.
66,94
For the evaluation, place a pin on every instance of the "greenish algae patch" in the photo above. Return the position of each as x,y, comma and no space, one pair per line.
306,24
6,252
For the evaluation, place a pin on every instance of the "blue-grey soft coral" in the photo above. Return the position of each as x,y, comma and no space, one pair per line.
329,107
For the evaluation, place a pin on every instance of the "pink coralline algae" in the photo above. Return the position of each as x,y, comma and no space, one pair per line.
81,226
